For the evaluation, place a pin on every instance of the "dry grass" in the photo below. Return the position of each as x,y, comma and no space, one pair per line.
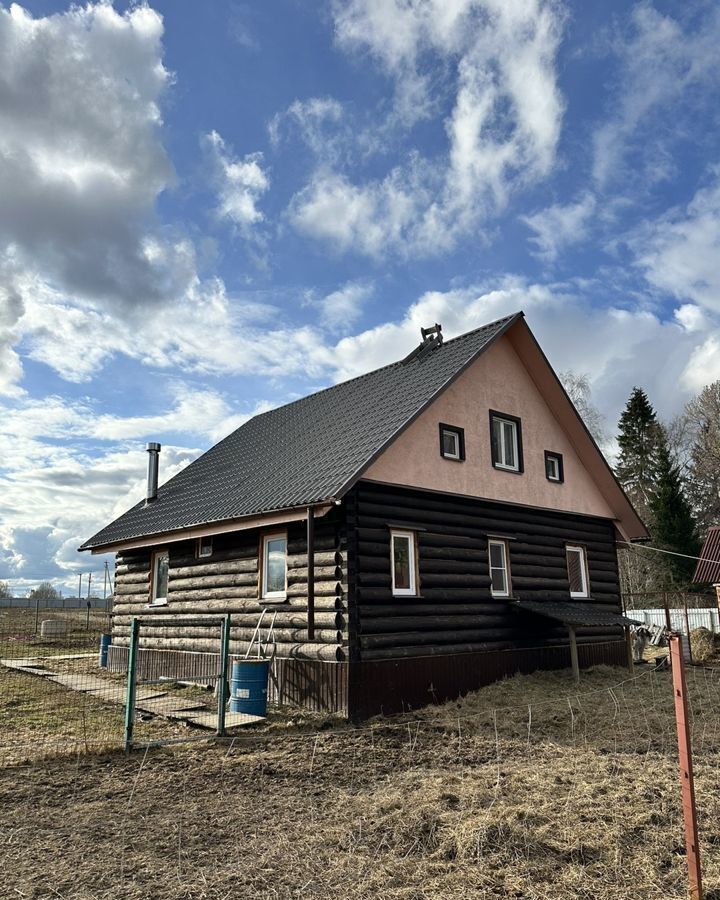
526,789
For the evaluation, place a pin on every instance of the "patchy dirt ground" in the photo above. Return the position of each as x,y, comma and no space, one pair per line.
526,789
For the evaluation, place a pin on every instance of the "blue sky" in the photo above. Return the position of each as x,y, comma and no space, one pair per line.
210,209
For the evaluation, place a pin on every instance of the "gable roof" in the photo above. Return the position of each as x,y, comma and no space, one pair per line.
306,452
708,567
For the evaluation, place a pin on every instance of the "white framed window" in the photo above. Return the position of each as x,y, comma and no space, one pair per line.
554,466
403,563
506,442
160,578
452,442
274,566
577,571
204,547
498,558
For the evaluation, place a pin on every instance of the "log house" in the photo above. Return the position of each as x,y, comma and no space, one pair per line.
417,532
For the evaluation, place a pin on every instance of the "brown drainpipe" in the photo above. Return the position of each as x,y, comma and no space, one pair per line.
311,573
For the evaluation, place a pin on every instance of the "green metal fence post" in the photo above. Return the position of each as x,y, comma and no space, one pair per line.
131,683
223,686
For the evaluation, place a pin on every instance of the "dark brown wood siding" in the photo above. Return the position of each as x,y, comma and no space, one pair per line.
455,611
228,582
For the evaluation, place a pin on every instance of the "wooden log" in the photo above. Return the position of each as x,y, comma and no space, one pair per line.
398,624
329,602
225,567
331,558
430,650
324,543
381,610
143,597
249,551
322,589
325,652
436,638
447,579
281,635
450,566
141,577
284,618
214,593
122,589
322,573
211,582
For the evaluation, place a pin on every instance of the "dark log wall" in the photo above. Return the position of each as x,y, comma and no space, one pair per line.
455,612
228,582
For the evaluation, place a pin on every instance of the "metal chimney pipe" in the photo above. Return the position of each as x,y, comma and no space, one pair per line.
153,450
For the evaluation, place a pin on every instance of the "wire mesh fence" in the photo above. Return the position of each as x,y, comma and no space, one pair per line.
531,788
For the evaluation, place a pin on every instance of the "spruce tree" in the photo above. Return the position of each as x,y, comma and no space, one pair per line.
673,526
640,439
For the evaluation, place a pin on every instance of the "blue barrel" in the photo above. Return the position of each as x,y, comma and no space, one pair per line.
249,687
105,641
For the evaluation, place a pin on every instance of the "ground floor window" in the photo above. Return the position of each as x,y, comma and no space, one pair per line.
274,566
577,571
499,568
160,575
403,558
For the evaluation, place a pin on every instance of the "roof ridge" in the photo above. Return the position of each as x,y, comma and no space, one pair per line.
398,362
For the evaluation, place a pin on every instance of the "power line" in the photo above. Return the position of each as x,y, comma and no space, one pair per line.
669,552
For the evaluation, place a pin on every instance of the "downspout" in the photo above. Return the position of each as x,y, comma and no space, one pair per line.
311,574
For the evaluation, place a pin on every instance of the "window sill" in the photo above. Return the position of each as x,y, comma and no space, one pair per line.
505,469
451,458
273,601
157,603
408,597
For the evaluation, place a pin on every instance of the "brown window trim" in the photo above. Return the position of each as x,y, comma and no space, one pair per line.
460,432
561,468
496,414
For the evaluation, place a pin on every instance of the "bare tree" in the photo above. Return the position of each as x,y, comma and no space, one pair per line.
702,424
44,591
579,390
5,592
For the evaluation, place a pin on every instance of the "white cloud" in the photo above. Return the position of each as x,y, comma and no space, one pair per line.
660,62
559,226
311,118
502,130
678,252
240,183
341,309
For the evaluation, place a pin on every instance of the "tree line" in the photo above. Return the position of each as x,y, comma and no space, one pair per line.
670,471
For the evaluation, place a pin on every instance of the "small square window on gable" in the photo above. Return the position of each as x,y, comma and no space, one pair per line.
554,467
452,442
204,547
506,442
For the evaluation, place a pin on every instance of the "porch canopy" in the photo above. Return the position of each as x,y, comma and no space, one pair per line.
574,615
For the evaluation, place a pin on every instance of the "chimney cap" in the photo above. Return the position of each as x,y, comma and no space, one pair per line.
153,447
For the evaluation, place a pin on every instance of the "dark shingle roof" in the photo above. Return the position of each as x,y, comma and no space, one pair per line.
708,567
306,452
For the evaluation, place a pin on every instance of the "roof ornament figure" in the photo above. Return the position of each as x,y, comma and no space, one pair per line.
432,338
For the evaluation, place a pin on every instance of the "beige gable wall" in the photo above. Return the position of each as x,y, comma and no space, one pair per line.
497,380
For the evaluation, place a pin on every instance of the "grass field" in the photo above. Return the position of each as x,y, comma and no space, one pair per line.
526,789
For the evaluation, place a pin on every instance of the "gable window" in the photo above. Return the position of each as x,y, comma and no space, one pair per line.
274,566
577,571
499,568
204,547
452,442
160,575
506,442
403,563
554,467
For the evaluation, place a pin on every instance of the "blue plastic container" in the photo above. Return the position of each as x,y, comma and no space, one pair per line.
249,687
105,641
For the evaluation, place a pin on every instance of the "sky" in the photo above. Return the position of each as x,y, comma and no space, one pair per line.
211,209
